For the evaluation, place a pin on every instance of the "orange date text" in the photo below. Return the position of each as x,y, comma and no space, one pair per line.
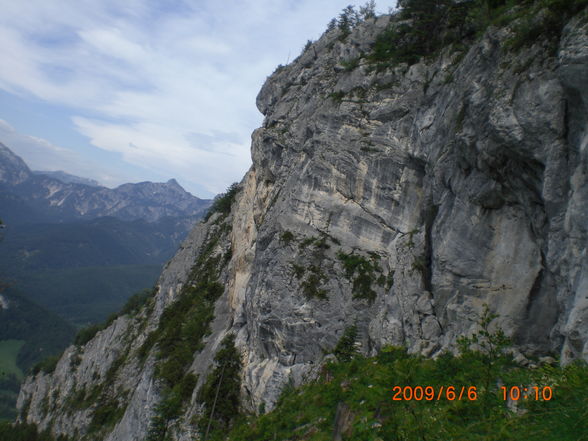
430,393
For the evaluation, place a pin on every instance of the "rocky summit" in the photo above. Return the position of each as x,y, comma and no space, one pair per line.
59,197
400,199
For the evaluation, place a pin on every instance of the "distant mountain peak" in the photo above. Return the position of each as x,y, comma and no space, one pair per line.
67,178
13,170
57,195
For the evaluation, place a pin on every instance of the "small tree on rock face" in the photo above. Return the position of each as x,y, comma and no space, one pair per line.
486,347
220,393
222,202
368,10
345,349
348,19
332,25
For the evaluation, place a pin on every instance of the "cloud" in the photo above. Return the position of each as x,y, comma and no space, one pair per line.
40,154
170,86
167,151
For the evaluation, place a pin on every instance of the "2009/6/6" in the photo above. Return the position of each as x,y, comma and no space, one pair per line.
430,393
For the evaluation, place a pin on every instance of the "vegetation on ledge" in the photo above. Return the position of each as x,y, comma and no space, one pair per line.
222,202
26,432
427,26
220,393
181,332
363,389
363,273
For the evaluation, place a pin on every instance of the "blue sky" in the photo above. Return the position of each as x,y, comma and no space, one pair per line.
136,90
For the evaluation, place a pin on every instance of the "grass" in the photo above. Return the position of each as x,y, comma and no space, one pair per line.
182,329
10,377
367,386
8,352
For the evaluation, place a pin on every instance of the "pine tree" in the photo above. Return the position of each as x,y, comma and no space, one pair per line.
345,349
368,10
220,393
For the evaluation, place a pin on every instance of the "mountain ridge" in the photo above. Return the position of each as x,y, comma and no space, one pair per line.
54,199
68,178
57,231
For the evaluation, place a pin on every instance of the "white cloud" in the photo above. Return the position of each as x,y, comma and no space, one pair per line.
146,78
40,154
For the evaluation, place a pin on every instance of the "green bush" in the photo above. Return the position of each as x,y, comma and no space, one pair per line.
298,270
419,264
137,301
306,242
222,203
311,285
84,335
315,277
170,408
186,322
106,415
287,237
183,326
545,20
362,272
349,18
47,365
430,25
337,96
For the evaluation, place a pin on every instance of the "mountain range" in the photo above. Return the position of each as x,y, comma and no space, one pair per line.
33,197
67,178
81,250
73,252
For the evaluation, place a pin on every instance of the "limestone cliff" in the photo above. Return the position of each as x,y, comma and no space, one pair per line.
401,200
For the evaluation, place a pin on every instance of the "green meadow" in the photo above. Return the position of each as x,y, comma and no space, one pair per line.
8,352
10,377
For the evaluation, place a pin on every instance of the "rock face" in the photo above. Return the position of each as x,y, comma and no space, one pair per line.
402,201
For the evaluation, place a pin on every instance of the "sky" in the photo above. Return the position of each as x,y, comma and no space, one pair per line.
145,90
